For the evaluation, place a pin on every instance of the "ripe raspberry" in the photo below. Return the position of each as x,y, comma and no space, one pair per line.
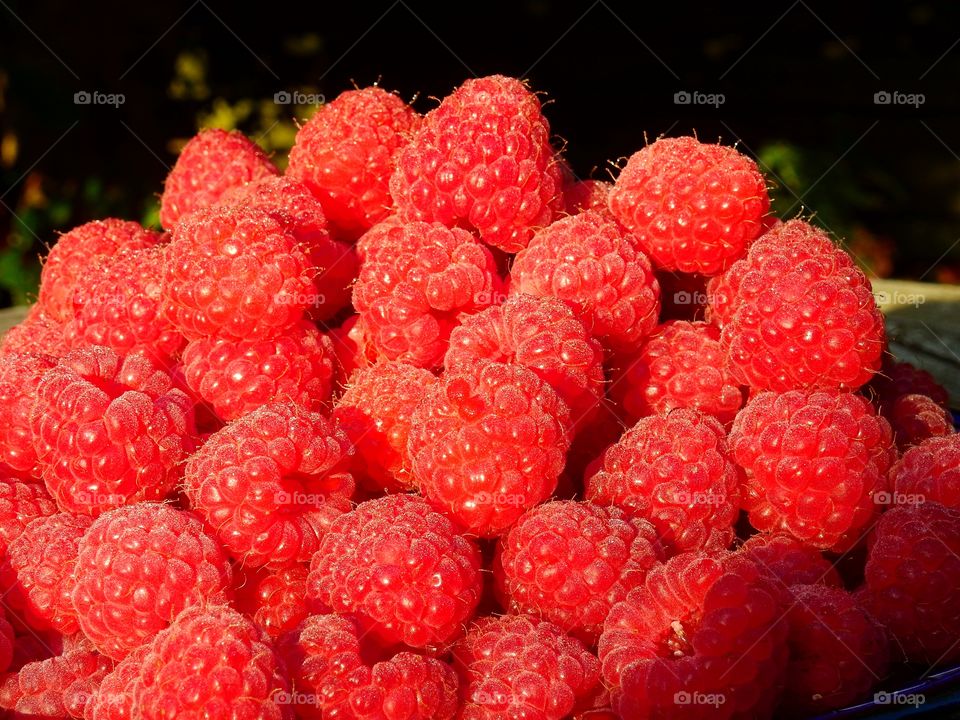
38,334
352,348
211,163
912,589
789,561
570,562
402,567
113,699
109,430
7,640
237,377
41,561
20,502
598,269
372,240
211,662
137,567
518,667
346,153
414,283
896,379
488,444
797,313
19,378
914,418
236,273
694,207
58,687
837,652
270,483
929,472
375,412
813,463
586,195
681,366
276,600
701,638
542,334
674,471
482,159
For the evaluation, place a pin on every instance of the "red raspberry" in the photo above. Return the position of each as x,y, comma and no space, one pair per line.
236,273
19,379
352,348
41,560
137,567
837,651
694,207
570,562
402,567
797,313
109,430
237,377
789,561
896,379
38,334
701,638
813,463
69,260
7,640
211,163
372,240
346,153
681,366
20,502
482,159
674,471
586,195
414,283
929,472
541,333
912,575
274,599
113,699
488,444
118,306
914,418
375,412
518,667
211,662
270,483
598,269
58,687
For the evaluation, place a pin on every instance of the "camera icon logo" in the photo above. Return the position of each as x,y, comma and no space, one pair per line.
82,97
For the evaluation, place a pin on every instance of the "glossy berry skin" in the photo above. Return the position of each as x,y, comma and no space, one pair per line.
483,160
788,561
415,281
20,376
694,207
57,687
514,666
270,484
570,562
137,567
586,195
403,568
488,444
37,334
597,268
21,501
276,600
676,472
814,463
109,430
929,471
352,348
113,699
346,152
211,163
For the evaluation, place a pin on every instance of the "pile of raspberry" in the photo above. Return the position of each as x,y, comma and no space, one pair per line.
425,427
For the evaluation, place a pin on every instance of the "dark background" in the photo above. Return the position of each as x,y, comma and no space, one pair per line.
798,79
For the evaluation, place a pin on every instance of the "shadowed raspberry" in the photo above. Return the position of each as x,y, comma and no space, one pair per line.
584,195
7,641
38,334
901,378
19,379
20,502
914,418
789,562
929,471
276,600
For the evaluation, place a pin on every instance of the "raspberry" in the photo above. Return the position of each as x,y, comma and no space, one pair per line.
813,464
901,378
276,600
797,313
414,282
7,641
542,334
570,562
109,430
137,567
58,687
402,567
118,306
912,589
20,502
211,662
375,412
701,638
270,483
372,240
518,667
113,699
681,366
914,418
38,334
42,559
789,561
489,443
236,273
482,159
346,153
352,348
211,163
598,269
837,652
674,471
694,207
237,377
586,195
930,472
19,379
